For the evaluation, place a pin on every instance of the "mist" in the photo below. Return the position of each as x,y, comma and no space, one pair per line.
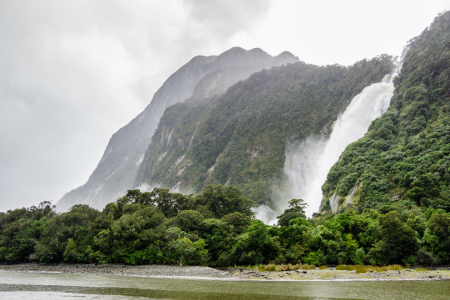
308,162
73,72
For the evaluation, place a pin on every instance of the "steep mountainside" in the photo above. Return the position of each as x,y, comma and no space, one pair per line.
239,137
200,77
405,155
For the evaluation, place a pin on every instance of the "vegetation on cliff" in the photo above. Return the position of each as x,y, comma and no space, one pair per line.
239,137
398,176
405,155
201,77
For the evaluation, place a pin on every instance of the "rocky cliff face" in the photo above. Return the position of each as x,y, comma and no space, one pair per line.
239,137
199,78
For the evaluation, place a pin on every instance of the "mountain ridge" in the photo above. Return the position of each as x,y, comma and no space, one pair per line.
117,168
239,137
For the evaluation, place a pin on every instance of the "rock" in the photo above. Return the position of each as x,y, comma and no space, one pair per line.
395,197
334,202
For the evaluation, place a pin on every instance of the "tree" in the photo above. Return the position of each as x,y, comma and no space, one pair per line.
76,224
254,246
296,210
437,235
187,220
223,200
238,221
398,241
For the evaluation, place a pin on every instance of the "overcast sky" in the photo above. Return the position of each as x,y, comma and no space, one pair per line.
73,72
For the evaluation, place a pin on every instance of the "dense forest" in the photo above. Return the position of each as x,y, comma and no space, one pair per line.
405,155
239,137
201,77
216,228
398,176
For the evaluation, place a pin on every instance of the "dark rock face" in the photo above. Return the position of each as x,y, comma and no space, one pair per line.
200,78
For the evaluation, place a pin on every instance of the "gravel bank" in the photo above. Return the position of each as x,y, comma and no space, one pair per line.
228,274
146,271
339,275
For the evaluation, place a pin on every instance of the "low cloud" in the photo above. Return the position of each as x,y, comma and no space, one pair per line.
73,72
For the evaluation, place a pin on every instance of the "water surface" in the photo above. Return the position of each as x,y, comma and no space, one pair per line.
30,286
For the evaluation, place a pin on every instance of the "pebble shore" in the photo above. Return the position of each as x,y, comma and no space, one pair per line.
118,269
341,275
226,274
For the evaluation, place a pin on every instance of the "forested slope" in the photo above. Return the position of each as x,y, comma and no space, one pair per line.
405,155
239,137
398,176
200,77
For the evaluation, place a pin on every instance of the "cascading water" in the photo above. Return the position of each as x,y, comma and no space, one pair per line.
308,163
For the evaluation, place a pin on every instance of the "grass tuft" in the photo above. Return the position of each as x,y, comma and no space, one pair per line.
344,268
308,267
395,267
361,269
271,268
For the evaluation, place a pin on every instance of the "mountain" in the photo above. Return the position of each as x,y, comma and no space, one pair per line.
239,137
201,77
405,154
385,202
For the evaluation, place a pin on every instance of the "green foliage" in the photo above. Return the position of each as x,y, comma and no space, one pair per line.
404,156
397,241
224,200
187,220
238,221
239,137
296,210
138,232
77,225
254,246
182,251
20,229
402,164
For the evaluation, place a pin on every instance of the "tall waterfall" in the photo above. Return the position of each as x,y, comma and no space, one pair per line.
308,163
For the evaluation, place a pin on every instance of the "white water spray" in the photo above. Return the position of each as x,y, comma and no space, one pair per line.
308,163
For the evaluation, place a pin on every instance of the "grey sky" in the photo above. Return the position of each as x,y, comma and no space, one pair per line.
73,72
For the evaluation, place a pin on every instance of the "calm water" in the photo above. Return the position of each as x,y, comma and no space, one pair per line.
18,285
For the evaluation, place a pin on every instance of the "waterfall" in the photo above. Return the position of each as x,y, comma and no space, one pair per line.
308,163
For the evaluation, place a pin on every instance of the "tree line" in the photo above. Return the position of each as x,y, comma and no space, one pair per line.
217,228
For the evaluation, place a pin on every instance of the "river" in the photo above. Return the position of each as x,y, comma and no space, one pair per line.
28,285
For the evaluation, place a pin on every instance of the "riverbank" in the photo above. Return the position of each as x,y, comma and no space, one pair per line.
227,274
119,269
342,275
